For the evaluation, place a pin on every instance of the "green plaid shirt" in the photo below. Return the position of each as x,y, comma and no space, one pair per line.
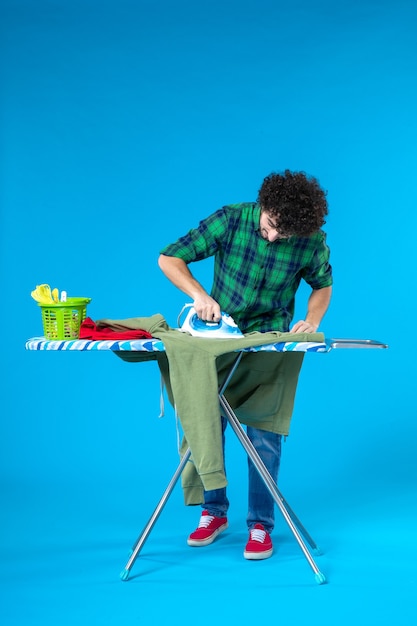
255,281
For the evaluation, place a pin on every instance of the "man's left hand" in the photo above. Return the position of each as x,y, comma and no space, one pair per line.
304,327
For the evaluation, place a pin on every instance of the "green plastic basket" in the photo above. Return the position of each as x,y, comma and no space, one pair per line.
63,320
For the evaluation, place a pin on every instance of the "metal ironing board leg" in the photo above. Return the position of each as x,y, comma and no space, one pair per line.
124,574
293,522
252,453
283,505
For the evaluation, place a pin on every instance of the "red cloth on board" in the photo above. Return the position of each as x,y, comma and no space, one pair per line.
90,330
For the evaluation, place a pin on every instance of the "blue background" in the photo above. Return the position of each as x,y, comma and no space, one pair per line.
123,124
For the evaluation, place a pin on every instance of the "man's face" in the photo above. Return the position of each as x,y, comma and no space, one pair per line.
269,227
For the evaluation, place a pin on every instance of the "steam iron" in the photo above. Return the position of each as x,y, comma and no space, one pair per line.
226,328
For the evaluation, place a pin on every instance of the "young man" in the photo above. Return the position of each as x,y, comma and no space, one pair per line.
262,250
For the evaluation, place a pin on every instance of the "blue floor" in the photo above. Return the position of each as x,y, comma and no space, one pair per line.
79,483
62,550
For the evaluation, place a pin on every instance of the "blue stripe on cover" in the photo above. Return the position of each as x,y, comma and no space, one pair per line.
290,346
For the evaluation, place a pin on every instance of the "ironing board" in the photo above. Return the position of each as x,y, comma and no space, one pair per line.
155,345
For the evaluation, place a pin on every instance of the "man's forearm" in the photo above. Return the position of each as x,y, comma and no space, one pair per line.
176,270
318,304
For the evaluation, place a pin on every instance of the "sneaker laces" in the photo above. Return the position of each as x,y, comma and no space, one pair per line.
205,521
256,534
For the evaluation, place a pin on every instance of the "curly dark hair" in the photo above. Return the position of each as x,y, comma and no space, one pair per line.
296,201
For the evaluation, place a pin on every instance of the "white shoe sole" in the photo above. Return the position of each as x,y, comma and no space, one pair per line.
258,556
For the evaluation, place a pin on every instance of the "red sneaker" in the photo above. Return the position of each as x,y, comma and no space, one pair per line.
208,529
259,545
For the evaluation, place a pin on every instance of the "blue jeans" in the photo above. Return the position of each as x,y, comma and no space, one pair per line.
260,502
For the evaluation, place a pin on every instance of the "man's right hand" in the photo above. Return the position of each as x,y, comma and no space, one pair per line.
207,308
